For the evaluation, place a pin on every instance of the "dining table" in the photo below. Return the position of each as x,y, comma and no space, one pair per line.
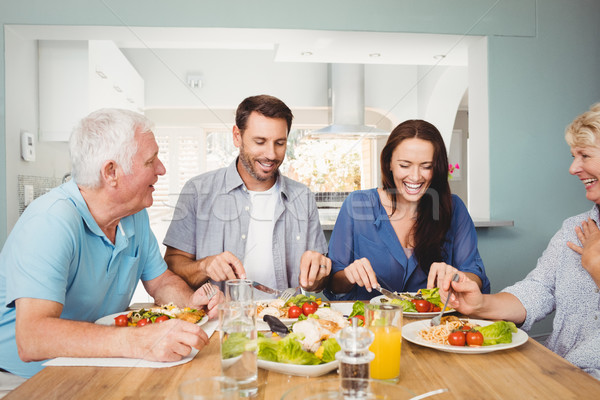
529,371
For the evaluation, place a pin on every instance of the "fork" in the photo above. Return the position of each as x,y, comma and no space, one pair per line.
209,290
438,319
287,294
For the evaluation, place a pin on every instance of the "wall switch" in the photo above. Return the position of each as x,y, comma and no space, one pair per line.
28,194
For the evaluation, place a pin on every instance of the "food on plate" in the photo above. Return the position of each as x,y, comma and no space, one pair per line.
425,300
293,308
159,314
310,342
456,332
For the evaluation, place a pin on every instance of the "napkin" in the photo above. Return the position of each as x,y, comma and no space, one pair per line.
209,328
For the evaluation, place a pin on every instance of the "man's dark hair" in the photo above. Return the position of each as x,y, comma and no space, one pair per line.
268,106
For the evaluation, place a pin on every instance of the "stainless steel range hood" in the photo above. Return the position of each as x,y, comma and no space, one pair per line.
347,104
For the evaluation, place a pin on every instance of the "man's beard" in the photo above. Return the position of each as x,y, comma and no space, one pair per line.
248,165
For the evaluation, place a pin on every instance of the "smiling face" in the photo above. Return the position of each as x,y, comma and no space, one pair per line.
412,168
138,186
586,166
262,150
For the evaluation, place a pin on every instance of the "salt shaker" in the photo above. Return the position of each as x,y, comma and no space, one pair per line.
354,357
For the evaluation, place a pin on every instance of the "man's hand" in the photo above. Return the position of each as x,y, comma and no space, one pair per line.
361,273
223,267
200,299
170,340
314,271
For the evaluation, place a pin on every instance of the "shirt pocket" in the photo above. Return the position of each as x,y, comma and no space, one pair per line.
128,275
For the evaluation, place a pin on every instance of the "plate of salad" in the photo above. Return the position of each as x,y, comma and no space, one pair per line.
426,303
495,336
287,356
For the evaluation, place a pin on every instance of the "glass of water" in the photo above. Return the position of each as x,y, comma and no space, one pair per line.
239,290
237,329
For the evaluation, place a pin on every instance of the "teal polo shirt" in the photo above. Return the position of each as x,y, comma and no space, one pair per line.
57,252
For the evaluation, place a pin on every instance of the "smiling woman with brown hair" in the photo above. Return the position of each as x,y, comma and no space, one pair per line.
402,234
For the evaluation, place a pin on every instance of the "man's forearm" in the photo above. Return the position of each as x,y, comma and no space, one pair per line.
190,271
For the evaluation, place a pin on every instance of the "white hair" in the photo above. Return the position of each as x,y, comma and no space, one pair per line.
105,134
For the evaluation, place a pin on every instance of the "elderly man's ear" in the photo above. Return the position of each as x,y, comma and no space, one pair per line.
109,173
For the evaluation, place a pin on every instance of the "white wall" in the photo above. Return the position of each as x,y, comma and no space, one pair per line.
52,159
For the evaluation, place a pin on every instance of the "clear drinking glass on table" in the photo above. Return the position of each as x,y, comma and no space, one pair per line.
239,290
215,388
385,321
237,329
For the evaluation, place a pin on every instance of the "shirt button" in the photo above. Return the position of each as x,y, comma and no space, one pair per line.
246,208
298,237
244,237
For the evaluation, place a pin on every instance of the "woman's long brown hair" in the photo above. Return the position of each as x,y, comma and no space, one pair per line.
434,211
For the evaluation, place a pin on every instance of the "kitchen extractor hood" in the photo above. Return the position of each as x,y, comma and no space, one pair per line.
347,104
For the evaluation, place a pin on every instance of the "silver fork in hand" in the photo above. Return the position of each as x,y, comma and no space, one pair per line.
438,319
209,290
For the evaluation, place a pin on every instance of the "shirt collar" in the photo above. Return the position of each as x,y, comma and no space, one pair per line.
75,196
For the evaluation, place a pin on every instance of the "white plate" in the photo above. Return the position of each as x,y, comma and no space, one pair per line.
110,319
298,370
410,332
344,308
412,314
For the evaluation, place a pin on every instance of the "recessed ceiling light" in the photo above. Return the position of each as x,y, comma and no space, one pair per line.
439,56
306,53
375,55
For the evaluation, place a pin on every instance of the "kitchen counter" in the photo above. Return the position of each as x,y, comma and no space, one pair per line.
327,216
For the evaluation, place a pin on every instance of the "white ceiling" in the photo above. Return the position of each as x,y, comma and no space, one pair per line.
289,45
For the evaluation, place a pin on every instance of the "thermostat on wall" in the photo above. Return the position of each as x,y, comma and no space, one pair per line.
27,146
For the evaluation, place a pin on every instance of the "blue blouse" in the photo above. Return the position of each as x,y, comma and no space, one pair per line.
363,229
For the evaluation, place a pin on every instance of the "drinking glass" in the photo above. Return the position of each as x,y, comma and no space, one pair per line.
237,329
215,387
385,321
239,290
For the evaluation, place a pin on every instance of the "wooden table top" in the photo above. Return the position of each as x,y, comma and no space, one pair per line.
529,371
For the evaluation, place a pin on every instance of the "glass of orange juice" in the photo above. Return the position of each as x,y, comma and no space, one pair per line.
385,321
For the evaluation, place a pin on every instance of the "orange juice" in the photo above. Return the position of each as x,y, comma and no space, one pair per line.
386,347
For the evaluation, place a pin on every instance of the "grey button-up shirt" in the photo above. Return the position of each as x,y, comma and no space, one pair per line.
213,216
559,282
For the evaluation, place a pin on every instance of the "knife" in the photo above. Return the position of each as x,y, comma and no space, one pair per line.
388,293
266,289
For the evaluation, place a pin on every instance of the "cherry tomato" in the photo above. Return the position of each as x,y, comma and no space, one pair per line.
121,320
294,312
474,338
465,328
423,306
361,320
162,318
143,321
436,309
456,338
309,307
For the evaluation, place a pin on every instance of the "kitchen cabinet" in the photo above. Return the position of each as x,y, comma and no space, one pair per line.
77,77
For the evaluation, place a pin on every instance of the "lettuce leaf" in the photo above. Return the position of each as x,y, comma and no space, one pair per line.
498,332
289,351
235,344
330,347
432,296
358,308
407,305
267,348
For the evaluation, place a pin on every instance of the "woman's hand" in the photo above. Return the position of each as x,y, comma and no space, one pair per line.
361,273
589,237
